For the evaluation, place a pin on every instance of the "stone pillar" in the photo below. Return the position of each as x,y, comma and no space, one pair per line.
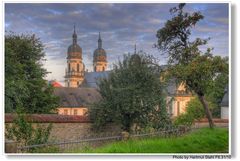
125,135
10,146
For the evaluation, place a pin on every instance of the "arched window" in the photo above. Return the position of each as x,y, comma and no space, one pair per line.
77,67
103,68
95,68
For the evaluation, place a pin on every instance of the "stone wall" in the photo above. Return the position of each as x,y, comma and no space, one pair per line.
217,122
74,131
65,128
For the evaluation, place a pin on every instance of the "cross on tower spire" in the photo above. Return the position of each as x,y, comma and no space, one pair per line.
74,35
74,28
99,41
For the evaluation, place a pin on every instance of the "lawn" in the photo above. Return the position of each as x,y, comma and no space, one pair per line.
199,141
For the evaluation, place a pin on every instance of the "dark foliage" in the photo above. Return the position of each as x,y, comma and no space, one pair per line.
132,94
24,73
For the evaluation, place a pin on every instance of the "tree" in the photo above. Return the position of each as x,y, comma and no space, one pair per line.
131,94
187,62
24,73
216,92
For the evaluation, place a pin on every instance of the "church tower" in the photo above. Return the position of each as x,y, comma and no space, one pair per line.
99,57
75,67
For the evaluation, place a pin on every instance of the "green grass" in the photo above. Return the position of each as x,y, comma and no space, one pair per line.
200,141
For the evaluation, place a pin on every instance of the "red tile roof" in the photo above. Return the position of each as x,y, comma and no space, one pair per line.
56,84
50,118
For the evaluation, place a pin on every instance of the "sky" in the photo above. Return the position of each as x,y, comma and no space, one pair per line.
121,26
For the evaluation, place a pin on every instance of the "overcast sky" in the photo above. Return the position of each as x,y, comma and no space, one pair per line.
121,26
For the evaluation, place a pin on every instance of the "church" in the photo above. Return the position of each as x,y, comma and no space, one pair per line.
80,89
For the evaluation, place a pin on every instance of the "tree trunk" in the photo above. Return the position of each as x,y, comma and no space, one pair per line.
127,128
207,111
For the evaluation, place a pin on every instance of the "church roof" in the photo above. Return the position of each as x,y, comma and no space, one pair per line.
225,100
88,93
91,78
77,97
99,52
74,48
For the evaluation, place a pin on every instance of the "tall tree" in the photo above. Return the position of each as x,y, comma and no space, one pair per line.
189,64
216,92
131,94
25,86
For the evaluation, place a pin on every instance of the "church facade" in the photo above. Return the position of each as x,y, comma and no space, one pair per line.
80,89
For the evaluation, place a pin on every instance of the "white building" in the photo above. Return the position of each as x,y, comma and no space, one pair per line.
225,105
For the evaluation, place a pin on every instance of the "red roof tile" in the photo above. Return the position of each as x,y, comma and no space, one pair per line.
56,84
50,118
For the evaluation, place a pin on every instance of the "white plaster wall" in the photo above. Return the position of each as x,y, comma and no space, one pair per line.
224,113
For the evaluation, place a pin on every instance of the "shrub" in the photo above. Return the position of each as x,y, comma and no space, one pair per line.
184,119
25,133
194,111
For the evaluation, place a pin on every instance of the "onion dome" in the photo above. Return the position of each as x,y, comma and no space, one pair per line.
135,58
99,54
74,50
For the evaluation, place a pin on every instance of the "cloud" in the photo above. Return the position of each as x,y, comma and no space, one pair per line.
222,20
216,29
121,26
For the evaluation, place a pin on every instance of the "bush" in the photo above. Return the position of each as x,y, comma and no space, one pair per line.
194,111
184,119
25,134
